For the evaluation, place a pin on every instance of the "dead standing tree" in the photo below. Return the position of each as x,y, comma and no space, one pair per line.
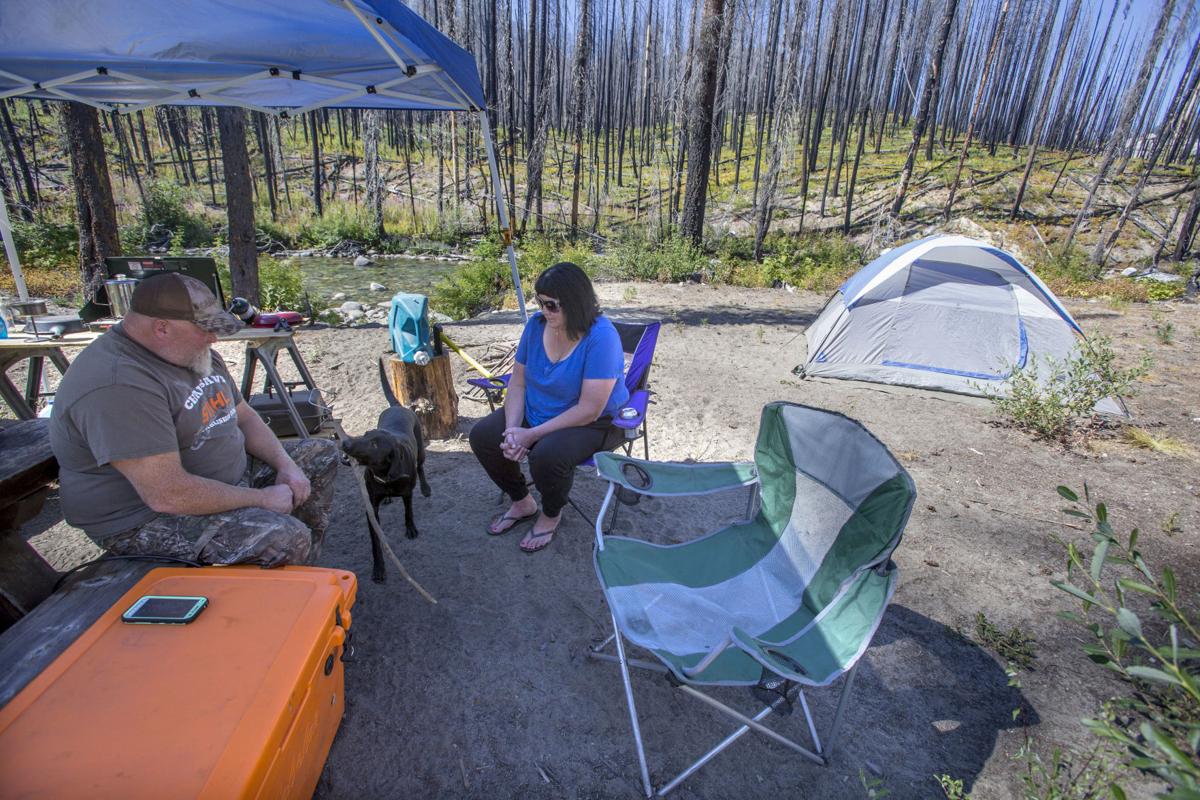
700,120
579,74
239,203
372,128
922,119
971,119
1133,100
94,207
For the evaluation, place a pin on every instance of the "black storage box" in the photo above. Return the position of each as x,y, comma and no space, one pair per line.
309,404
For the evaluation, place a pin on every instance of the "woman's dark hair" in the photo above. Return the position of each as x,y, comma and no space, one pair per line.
571,287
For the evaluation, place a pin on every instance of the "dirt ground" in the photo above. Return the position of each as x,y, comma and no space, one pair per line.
489,693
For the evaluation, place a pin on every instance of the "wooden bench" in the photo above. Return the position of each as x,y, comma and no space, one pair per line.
27,468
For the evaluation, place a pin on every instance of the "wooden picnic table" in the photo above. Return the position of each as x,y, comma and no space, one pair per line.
27,468
263,346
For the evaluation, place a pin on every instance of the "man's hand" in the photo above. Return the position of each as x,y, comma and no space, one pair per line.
292,477
277,498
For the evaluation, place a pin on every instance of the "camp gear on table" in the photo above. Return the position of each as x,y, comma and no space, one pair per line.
243,702
120,294
308,403
944,312
788,599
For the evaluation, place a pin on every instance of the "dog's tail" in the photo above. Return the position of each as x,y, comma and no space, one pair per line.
387,386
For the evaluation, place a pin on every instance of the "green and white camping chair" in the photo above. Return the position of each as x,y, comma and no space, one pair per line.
788,599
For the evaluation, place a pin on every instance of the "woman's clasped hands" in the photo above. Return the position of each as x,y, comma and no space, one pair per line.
515,443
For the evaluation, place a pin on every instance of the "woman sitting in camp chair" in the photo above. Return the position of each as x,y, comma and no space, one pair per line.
558,411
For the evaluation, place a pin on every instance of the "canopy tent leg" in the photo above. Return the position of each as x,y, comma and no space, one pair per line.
502,211
10,249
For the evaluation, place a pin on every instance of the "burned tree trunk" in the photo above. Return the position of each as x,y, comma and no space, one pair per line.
372,127
239,203
583,46
935,69
700,121
94,207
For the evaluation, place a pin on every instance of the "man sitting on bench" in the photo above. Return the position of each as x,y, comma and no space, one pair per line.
160,455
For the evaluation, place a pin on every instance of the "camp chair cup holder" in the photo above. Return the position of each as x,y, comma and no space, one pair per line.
785,601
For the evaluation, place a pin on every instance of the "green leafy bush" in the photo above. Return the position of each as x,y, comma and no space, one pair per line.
1158,290
474,287
1049,400
166,220
1071,263
1157,727
45,244
669,260
817,262
341,222
280,284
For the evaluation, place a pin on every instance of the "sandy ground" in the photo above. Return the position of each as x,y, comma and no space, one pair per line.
489,693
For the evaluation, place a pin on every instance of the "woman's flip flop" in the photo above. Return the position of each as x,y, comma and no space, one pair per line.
544,539
513,522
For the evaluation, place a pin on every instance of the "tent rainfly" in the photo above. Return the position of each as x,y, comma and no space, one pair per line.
280,57
944,312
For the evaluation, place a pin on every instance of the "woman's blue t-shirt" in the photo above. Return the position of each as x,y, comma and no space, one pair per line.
553,387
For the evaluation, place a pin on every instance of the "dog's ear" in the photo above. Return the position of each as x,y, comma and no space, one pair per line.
398,467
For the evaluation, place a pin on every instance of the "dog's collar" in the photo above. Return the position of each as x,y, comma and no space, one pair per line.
376,478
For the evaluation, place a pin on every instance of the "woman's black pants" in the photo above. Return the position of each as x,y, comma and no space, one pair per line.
552,460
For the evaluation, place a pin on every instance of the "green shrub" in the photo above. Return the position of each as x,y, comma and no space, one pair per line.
280,284
1050,403
474,287
670,260
1158,290
819,262
341,222
45,244
1157,727
166,219
1070,263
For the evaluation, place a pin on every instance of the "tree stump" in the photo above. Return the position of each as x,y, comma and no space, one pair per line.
428,391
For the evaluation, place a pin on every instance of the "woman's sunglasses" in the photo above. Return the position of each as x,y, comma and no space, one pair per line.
553,306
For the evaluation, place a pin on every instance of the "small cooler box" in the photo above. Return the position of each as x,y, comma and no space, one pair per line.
408,322
243,702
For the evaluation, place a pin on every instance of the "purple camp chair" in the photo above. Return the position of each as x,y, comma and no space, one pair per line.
637,340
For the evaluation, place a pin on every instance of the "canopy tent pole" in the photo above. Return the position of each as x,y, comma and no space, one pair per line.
502,212
10,249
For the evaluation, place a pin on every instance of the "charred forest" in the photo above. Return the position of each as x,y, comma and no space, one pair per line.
741,131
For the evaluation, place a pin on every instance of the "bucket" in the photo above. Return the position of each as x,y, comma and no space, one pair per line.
120,294
408,324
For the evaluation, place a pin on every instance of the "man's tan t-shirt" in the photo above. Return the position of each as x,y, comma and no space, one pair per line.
119,401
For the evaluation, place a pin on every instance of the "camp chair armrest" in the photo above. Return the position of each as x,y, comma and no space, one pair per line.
637,402
496,384
666,478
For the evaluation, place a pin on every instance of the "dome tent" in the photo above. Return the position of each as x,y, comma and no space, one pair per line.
944,312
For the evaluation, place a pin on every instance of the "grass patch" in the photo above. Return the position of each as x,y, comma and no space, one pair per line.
816,262
1140,437
1015,646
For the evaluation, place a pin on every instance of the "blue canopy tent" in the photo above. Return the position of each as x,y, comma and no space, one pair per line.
280,57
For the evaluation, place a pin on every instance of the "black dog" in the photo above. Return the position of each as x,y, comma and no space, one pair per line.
394,455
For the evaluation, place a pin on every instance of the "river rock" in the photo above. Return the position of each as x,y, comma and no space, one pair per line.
338,296
350,305
363,261
439,318
353,314
1129,272
378,287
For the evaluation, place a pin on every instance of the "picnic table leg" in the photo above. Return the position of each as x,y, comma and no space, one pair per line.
33,381
25,577
12,395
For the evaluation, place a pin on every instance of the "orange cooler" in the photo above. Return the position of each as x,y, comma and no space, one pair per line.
243,702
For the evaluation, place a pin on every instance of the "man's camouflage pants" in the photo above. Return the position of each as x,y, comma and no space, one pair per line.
247,535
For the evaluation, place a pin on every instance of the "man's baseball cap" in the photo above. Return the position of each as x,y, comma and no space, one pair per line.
173,295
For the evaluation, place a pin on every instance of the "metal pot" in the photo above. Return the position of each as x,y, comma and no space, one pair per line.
28,308
120,294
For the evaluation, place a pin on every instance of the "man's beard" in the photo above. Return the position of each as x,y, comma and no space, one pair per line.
201,365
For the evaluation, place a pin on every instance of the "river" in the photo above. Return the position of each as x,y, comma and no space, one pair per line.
325,277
